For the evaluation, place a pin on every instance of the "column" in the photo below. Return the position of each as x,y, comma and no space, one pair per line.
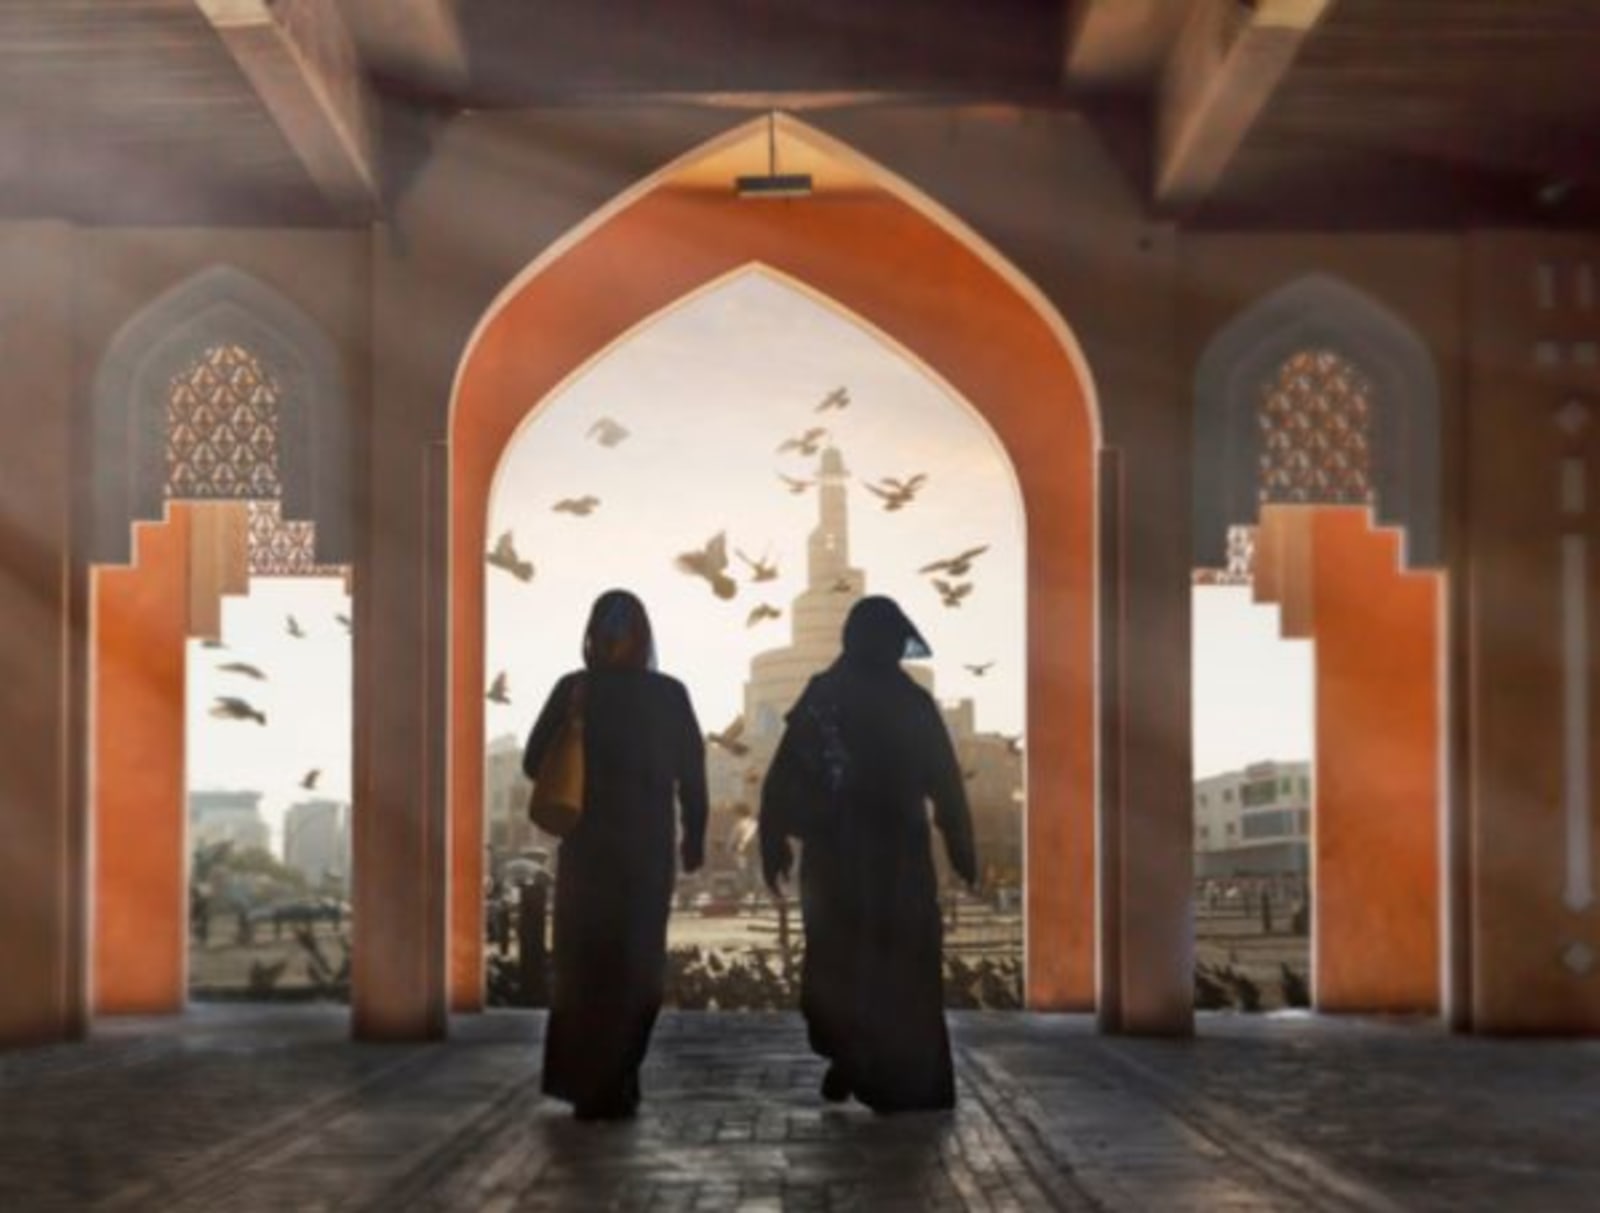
42,857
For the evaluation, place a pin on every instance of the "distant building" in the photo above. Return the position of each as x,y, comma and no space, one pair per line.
316,840
1254,822
233,817
506,790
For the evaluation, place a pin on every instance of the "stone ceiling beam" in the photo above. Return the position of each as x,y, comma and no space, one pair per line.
415,41
1227,62
302,60
1120,45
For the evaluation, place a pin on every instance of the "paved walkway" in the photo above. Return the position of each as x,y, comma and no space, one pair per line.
243,1110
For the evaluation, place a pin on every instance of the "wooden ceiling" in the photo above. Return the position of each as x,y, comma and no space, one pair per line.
131,110
1413,110
1392,113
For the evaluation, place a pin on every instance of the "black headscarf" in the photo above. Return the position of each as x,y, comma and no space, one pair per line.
618,636
877,635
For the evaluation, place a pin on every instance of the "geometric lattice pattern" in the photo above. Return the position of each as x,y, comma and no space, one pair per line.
1241,567
222,428
284,549
1316,432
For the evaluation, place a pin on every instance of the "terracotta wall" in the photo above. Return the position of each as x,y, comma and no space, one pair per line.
1375,628
877,256
138,788
1377,771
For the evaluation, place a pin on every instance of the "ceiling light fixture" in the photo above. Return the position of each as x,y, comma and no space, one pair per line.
772,183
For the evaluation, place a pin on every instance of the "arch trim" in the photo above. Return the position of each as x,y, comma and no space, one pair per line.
218,304
1321,310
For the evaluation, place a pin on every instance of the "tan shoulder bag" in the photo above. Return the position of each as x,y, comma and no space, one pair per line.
556,803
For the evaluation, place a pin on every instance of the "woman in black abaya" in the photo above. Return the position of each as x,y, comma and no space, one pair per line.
642,750
864,751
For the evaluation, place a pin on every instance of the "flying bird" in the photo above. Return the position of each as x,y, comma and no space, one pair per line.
842,585
839,398
952,594
244,668
808,444
711,563
978,671
956,566
607,432
728,739
227,707
897,494
970,774
581,506
760,570
763,611
1013,742
500,689
309,781
292,626
796,486
344,622
504,556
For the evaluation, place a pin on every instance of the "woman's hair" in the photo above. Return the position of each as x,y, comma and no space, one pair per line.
877,633
618,636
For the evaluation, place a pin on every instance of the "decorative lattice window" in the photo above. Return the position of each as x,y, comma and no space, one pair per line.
222,428
280,548
1316,432
1241,566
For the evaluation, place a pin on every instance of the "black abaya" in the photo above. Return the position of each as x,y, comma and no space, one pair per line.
872,987
642,745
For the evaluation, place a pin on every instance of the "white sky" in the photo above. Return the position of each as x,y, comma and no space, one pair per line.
708,391
306,696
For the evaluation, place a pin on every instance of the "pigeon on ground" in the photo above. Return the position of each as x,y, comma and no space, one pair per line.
711,563
504,556
228,707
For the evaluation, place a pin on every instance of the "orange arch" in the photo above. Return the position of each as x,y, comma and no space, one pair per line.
928,290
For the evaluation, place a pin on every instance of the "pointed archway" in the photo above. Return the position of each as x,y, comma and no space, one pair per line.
1317,423
885,253
272,429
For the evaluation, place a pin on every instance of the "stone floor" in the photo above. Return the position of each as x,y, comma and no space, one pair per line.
244,1110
